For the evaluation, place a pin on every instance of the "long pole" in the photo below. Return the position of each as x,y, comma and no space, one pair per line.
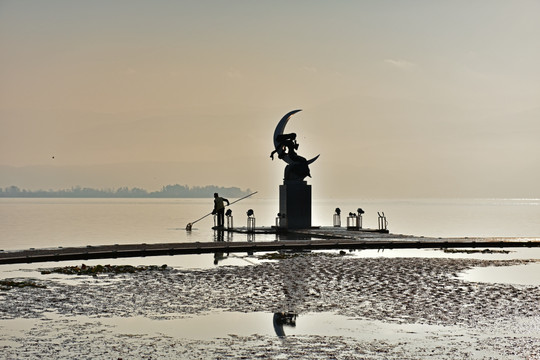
242,198
189,225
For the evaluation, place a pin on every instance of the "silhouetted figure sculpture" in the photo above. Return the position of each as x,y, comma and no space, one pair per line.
285,146
219,209
285,141
295,193
297,166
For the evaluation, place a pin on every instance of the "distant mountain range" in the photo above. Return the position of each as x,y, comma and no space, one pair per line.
169,191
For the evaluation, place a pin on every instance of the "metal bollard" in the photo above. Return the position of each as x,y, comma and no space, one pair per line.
337,218
250,220
352,221
281,221
360,212
229,217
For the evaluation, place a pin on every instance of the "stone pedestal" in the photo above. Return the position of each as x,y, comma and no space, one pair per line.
295,203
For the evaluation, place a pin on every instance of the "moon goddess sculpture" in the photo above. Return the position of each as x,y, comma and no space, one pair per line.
285,146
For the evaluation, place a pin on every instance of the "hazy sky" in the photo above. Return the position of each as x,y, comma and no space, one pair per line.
400,98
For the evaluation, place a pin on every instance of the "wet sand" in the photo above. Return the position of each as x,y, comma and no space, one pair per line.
470,320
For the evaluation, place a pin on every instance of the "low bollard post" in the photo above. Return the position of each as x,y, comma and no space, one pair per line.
352,221
360,212
250,220
229,218
337,218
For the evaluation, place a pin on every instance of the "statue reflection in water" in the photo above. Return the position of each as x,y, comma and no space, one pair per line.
293,294
283,319
294,289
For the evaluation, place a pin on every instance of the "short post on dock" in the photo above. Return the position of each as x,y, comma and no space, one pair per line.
250,220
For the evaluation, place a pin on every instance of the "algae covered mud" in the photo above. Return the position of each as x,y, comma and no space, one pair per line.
345,306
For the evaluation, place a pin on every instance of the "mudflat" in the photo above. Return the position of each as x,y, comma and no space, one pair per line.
468,319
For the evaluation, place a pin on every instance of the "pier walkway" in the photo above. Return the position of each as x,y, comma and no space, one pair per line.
322,238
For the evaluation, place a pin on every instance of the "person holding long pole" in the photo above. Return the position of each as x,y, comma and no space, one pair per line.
219,209
189,226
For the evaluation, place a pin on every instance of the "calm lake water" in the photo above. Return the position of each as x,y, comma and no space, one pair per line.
49,223
39,223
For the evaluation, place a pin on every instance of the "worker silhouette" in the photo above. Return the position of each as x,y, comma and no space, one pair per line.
219,209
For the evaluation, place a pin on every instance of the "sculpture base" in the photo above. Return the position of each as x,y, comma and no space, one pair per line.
295,203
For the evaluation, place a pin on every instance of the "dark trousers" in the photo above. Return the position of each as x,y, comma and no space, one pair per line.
220,217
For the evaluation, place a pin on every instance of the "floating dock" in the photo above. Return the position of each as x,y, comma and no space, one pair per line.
323,238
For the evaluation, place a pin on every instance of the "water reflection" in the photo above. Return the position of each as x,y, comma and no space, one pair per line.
222,235
283,319
294,236
216,325
294,288
219,257
242,234
219,236
294,292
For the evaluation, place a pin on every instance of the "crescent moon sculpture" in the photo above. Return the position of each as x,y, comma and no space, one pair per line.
285,146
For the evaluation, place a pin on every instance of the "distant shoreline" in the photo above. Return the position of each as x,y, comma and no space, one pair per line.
112,197
169,191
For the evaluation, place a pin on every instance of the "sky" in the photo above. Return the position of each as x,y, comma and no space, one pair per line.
404,99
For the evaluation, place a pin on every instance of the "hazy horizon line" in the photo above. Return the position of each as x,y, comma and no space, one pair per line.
167,191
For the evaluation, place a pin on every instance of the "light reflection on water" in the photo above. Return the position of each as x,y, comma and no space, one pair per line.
42,223
528,274
201,262
222,324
